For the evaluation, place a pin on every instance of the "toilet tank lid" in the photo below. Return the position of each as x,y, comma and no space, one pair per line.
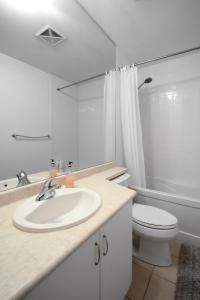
152,215
121,178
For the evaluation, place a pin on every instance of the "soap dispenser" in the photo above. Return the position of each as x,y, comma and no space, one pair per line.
70,163
69,179
52,171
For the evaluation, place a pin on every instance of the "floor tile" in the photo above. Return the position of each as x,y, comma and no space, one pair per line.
169,273
160,289
175,246
141,277
143,264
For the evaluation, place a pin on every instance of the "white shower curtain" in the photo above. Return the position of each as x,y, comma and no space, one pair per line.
122,124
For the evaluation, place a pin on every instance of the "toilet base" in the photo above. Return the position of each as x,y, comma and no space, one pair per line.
153,252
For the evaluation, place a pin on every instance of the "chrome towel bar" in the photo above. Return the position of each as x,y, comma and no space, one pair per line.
26,137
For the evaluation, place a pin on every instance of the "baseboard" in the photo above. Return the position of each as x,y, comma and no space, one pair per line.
189,238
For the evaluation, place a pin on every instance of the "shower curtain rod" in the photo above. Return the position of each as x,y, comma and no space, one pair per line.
136,64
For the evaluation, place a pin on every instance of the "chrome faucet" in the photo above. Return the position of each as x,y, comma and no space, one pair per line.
22,179
48,190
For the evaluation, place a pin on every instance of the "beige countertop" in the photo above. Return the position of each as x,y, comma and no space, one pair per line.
26,258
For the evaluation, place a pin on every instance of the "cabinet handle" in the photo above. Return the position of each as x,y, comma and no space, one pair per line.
99,255
106,241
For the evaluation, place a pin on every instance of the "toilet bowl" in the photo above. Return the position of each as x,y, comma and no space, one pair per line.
155,227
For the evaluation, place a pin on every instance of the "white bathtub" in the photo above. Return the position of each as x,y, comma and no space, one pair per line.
184,189
186,209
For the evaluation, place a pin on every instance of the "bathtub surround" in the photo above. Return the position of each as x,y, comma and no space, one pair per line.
170,120
122,126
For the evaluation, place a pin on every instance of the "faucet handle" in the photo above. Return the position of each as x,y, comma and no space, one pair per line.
22,178
21,174
49,184
48,190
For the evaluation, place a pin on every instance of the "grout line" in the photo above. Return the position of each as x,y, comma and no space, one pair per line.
148,283
165,279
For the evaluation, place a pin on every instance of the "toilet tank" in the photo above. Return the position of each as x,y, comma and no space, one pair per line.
122,179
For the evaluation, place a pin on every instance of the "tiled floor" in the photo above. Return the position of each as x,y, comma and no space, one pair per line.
152,282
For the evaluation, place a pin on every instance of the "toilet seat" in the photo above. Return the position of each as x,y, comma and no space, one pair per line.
153,217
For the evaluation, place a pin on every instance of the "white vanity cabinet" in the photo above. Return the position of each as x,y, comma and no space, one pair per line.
116,260
101,269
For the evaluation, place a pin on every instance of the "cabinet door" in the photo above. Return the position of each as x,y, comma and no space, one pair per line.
116,262
77,278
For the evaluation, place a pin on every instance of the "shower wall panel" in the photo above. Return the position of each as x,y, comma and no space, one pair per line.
170,112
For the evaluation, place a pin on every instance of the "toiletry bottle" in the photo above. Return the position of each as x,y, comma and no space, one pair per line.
60,166
52,171
69,179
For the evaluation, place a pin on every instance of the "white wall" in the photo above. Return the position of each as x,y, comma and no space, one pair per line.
170,109
121,59
30,105
90,116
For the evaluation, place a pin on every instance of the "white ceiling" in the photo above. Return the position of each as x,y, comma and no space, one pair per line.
86,52
146,29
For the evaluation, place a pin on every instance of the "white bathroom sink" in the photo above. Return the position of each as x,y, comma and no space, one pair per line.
70,206
13,182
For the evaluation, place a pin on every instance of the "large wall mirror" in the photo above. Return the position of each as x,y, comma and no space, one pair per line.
46,45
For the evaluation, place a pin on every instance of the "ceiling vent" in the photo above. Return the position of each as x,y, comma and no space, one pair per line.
50,35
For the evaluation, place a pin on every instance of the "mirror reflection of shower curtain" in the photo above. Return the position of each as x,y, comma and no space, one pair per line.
122,124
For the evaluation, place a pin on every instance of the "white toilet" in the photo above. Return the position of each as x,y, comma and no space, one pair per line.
155,227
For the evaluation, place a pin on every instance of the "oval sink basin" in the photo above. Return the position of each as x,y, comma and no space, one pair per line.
70,206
